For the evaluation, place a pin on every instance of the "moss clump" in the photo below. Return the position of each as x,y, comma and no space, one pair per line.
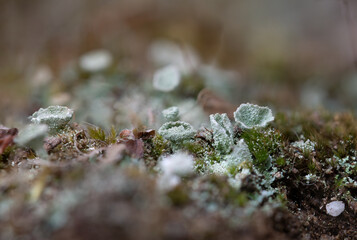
98,133
264,145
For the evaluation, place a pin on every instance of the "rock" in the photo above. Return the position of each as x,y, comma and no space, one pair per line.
335,208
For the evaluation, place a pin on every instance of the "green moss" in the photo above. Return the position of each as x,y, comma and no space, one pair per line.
178,196
238,198
263,144
96,133
280,161
159,146
99,134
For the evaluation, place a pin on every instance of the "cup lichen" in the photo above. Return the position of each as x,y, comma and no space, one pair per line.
222,132
32,136
171,113
177,132
55,117
249,116
167,78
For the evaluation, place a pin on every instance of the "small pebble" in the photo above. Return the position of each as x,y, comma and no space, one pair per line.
335,208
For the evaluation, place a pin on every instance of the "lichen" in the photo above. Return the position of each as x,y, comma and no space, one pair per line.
249,116
233,162
32,136
166,79
222,132
55,117
171,113
177,132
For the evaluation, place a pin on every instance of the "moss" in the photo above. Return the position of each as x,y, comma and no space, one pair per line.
280,161
263,144
160,146
178,196
99,134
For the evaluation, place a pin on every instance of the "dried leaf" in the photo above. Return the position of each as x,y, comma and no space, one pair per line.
146,134
7,136
126,134
135,147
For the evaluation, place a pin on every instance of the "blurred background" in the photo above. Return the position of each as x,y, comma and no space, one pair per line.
283,53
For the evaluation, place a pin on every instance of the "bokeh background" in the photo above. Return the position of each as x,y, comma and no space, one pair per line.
284,53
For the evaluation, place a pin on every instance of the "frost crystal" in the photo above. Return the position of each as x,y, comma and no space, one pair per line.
335,208
177,131
95,61
32,135
171,114
249,116
222,132
56,117
167,78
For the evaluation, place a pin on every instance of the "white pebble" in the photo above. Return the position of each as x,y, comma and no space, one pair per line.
335,208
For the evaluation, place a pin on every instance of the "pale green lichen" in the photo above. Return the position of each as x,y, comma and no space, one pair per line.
250,116
167,79
177,132
32,136
55,117
233,162
171,113
222,132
